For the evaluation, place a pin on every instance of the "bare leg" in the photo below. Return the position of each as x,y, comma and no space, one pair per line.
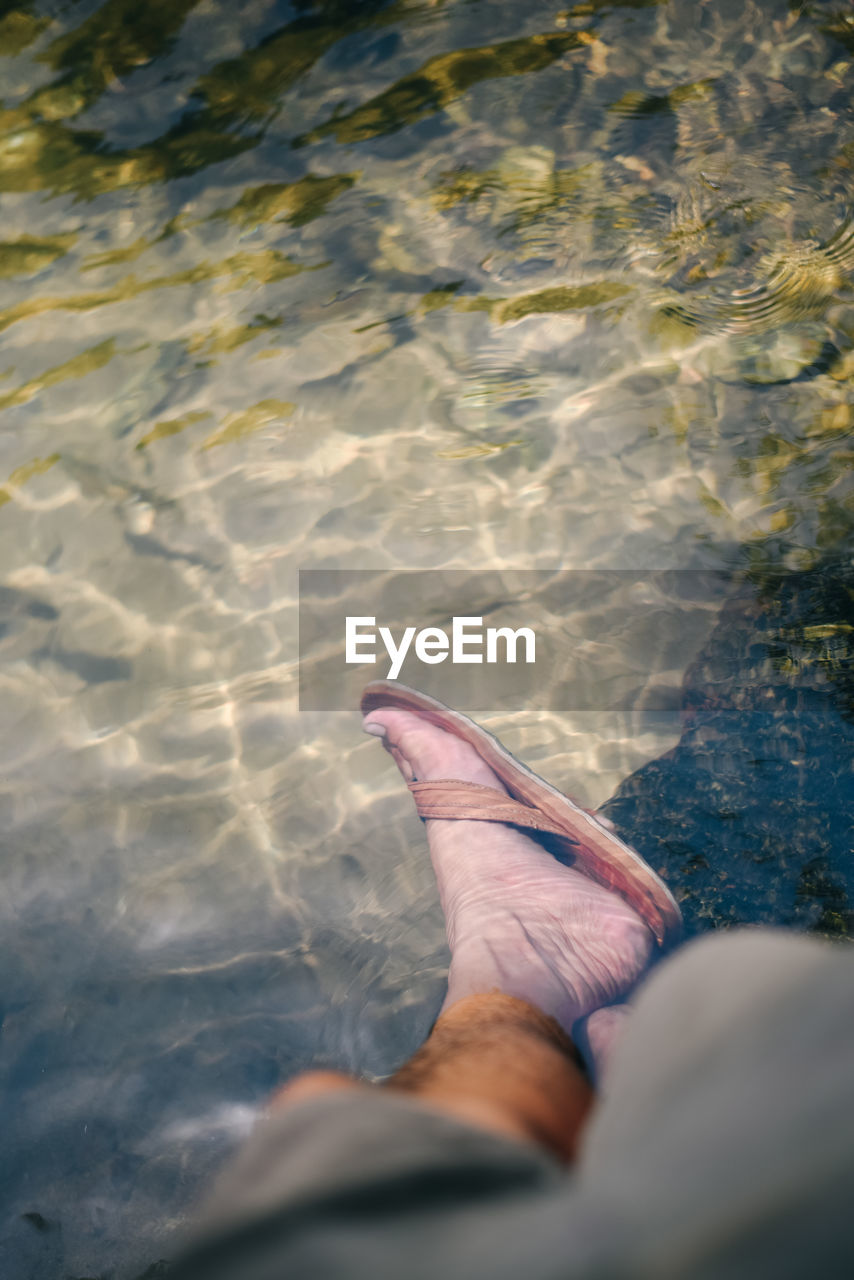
494,1062
499,1063
538,953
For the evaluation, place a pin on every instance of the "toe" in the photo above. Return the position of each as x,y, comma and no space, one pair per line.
389,723
425,750
401,734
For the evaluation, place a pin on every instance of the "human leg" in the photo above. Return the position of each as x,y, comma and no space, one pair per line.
539,953
518,920
492,1061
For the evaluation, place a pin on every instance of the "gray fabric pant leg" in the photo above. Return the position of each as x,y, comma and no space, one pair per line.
726,1141
723,1148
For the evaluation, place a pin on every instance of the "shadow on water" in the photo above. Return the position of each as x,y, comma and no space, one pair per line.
227,110
750,817
230,106
439,82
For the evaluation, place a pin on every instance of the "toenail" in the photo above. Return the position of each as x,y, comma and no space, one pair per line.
374,729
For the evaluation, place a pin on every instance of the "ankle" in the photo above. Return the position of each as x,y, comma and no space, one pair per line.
478,968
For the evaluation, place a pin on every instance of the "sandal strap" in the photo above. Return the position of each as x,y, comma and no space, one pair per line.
450,798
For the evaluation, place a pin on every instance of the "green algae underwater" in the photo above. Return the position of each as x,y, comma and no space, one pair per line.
407,284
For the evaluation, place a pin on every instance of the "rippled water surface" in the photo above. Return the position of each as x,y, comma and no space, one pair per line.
452,284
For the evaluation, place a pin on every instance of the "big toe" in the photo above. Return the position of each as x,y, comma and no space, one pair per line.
398,734
423,751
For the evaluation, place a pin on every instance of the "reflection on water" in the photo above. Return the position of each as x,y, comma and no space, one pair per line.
389,285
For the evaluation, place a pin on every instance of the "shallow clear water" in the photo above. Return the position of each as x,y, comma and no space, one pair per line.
397,286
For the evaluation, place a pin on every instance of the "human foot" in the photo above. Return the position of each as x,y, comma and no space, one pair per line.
518,920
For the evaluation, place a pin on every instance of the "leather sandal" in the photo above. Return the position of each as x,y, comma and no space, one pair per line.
534,805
